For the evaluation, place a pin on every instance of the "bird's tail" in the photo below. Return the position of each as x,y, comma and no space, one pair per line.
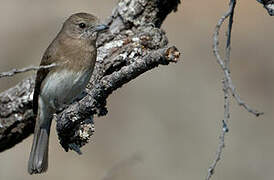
38,160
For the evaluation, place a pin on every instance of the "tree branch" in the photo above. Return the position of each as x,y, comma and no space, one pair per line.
268,5
134,46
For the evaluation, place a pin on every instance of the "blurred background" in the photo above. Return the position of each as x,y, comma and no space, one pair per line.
166,123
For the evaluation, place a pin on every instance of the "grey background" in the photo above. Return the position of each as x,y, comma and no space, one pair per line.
166,123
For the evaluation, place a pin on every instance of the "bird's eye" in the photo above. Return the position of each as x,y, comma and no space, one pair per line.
82,25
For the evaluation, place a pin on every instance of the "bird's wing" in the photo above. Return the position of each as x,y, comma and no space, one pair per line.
48,58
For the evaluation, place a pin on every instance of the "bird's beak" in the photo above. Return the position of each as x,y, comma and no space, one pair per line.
100,27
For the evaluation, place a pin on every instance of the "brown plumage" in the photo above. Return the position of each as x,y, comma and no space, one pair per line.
74,52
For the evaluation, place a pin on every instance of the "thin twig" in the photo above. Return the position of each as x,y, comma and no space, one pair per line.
225,129
226,82
26,69
222,63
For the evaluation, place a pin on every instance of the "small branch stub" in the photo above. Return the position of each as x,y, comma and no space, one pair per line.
172,54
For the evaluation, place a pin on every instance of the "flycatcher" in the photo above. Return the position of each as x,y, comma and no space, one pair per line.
74,53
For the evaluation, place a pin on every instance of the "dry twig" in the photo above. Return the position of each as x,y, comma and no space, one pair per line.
26,69
227,83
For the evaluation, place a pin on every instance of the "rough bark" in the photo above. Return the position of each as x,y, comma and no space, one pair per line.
134,45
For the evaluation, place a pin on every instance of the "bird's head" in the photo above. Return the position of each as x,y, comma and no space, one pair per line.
83,26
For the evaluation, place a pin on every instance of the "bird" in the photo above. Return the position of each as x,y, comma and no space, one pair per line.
73,52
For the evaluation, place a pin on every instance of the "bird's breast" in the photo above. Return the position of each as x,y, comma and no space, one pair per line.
63,86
